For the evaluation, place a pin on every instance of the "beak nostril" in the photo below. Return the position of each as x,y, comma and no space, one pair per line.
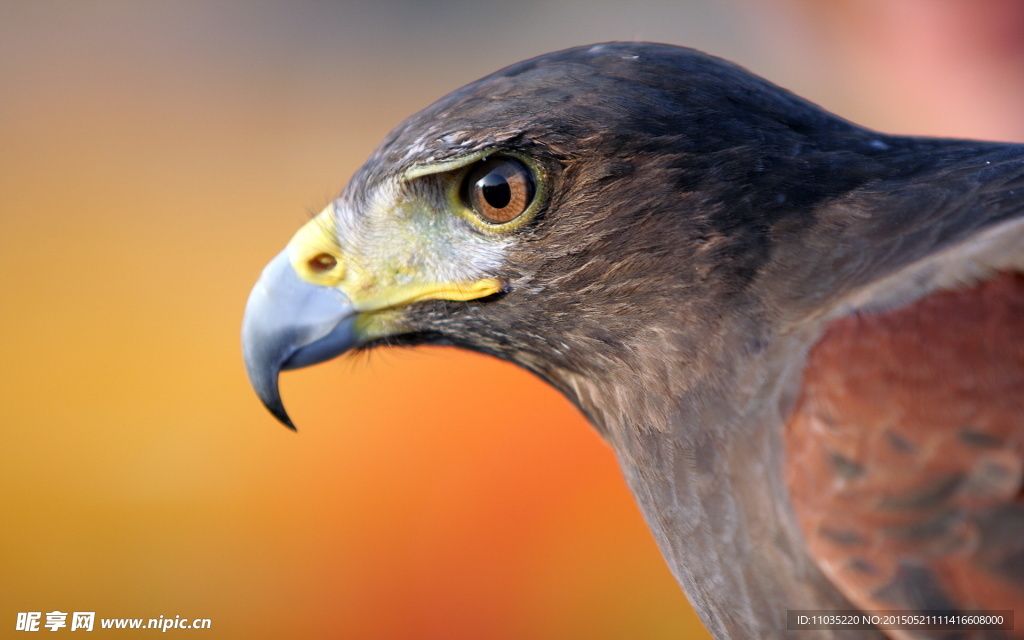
322,262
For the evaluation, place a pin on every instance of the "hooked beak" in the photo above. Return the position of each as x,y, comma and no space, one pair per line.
291,323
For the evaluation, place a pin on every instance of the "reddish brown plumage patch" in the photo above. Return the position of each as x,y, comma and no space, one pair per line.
906,452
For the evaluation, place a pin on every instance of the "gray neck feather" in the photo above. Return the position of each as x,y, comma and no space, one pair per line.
706,467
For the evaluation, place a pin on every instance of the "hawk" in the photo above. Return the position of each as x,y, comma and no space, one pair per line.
803,339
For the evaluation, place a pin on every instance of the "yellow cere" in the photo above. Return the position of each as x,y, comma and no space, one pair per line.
316,257
306,248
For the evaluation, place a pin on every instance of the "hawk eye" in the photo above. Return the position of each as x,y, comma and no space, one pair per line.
498,189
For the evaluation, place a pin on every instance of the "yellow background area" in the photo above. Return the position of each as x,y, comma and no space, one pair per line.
153,157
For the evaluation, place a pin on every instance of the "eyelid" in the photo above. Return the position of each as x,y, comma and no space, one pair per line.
421,170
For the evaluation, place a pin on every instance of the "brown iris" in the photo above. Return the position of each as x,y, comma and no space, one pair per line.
322,262
498,189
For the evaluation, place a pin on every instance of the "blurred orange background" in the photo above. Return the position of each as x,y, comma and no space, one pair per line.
153,156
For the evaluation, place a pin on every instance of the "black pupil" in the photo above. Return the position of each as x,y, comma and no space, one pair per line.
495,189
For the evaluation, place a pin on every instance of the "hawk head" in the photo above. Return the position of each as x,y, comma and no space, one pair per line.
600,216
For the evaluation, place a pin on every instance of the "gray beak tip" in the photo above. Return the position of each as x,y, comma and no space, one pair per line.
277,410
263,371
